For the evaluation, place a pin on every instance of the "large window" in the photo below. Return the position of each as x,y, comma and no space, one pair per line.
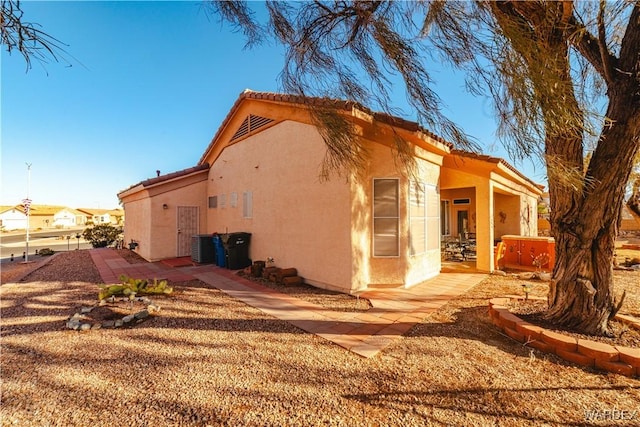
386,217
423,218
417,218
433,217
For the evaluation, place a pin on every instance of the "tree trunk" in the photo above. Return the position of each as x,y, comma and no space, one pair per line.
585,224
585,206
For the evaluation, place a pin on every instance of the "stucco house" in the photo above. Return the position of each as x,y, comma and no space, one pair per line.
100,216
40,217
260,174
13,218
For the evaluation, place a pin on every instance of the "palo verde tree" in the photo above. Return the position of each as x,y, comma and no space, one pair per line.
564,77
27,38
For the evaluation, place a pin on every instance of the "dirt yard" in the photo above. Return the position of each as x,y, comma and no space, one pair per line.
207,359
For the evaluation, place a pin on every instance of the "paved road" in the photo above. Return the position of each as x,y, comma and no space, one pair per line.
15,243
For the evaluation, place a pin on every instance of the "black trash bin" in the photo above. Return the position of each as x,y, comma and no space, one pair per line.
237,247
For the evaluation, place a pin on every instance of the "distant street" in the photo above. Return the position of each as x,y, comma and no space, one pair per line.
55,239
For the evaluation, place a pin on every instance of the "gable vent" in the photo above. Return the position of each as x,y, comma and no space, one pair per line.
249,125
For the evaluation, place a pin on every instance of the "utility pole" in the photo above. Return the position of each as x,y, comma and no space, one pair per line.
27,207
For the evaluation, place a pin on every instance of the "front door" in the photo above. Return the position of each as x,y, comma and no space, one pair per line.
187,227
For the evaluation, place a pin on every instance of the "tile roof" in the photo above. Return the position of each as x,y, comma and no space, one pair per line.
496,160
310,101
158,179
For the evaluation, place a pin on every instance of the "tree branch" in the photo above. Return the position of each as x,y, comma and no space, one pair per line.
630,47
605,55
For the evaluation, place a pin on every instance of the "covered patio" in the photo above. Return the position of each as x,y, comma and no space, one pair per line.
481,199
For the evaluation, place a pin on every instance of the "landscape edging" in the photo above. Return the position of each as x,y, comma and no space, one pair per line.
616,359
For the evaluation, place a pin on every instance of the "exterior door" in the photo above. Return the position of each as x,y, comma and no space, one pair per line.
187,227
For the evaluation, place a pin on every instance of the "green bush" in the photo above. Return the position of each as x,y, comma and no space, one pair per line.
46,252
101,235
131,287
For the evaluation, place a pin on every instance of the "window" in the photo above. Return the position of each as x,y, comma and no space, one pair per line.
385,217
233,199
424,205
247,204
433,217
213,202
445,220
461,201
223,200
417,218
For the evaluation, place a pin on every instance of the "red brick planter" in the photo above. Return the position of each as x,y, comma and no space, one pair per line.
620,360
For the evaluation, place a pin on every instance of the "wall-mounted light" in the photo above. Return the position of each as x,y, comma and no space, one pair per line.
165,206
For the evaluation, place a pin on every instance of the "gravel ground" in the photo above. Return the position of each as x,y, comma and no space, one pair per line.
207,359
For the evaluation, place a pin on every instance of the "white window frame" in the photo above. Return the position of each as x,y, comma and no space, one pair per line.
375,217
417,208
433,218
233,199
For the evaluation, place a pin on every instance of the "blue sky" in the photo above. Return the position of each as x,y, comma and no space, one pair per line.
148,86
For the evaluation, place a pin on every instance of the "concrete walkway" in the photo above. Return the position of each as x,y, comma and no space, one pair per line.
394,311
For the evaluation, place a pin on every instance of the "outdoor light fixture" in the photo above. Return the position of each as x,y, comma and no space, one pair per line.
165,206
78,237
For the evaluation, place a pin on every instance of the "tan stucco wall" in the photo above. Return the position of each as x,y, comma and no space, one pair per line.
321,228
406,269
509,222
155,228
137,228
164,222
298,220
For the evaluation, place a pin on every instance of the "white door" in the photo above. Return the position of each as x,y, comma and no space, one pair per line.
187,227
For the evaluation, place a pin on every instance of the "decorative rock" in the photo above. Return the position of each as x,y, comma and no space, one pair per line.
85,327
96,326
109,324
141,314
127,319
73,324
118,323
85,310
499,273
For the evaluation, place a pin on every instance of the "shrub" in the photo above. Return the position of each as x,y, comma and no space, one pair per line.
46,252
131,287
101,235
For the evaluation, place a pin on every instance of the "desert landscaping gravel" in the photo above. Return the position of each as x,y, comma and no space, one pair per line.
207,359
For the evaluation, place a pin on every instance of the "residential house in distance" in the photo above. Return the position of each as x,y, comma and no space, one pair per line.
260,175
40,217
102,216
629,220
12,218
49,216
68,217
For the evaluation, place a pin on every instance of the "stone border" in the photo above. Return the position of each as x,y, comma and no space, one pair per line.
75,322
616,359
